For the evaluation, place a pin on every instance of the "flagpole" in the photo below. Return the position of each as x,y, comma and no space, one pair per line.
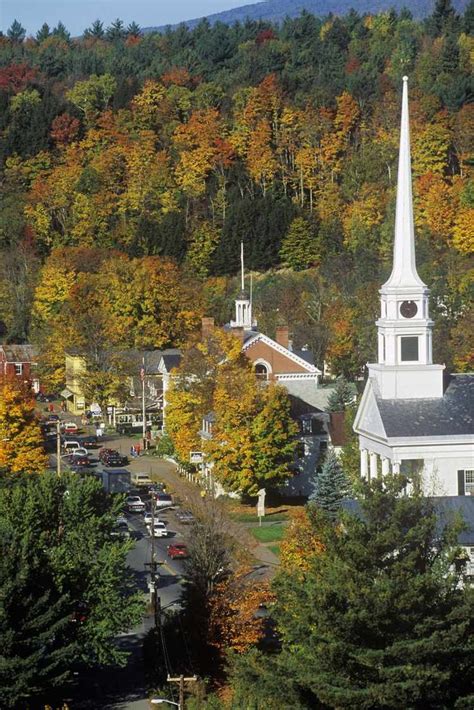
142,373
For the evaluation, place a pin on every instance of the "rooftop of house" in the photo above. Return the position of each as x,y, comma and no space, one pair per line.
450,415
17,353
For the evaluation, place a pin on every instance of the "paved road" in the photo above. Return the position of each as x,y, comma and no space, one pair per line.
125,689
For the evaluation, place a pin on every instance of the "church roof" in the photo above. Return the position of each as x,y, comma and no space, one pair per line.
450,415
447,509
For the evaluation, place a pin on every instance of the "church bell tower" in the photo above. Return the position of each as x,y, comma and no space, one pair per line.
405,367
243,303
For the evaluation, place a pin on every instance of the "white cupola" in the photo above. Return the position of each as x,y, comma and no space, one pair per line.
405,367
243,303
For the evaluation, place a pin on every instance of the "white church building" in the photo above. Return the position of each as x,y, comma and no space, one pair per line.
412,417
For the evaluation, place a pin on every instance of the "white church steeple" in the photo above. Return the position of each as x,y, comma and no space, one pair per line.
243,303
405,367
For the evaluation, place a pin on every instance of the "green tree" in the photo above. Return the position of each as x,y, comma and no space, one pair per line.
95,31
116,31
43,33
16,32
64,584
299,248
381,618
330,487
341,397
92,95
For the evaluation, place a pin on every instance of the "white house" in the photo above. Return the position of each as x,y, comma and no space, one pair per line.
411,416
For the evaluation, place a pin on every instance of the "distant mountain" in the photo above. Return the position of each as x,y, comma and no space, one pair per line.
277,10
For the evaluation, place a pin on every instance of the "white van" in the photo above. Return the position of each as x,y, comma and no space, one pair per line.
141,479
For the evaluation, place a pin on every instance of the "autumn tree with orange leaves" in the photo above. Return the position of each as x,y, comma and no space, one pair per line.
21,442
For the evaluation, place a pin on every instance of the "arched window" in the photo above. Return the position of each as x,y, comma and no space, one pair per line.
261,371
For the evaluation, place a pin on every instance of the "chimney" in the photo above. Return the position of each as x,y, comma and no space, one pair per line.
282,336
238,333
207,326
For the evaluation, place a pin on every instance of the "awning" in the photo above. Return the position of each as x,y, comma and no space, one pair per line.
66,394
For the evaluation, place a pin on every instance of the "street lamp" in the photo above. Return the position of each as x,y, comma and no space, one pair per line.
159,701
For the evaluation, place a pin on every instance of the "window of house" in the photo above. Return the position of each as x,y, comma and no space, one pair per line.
261,371
323,446
18,368
409,349
469,482
306,426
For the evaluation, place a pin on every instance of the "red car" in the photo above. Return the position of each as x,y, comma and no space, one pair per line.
178,550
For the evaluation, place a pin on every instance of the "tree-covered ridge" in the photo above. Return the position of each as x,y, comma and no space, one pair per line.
180,145
279,10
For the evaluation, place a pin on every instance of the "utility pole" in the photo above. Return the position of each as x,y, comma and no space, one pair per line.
181,680
58,448
142,376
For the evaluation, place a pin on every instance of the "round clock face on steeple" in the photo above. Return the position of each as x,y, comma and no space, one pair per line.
408,309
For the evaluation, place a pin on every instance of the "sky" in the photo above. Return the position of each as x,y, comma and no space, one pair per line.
79,14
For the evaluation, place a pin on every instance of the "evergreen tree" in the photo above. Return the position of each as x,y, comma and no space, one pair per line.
444,15
379,619
61,32
43,33
331,486
65,591
116,31
469,18
341,397
299,249
16,32
134,30
96,30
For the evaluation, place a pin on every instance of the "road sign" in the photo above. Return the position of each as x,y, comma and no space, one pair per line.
195,457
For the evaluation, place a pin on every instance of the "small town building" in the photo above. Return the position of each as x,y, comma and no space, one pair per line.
19,361
413,418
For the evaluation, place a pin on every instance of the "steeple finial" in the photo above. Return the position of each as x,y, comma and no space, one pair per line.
242,266
404,273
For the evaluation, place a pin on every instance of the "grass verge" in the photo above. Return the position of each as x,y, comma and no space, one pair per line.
268,533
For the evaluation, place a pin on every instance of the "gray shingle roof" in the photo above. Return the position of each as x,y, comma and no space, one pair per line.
447,508
450,415
19,353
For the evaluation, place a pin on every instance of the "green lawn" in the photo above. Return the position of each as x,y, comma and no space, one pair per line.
275,549
268,533
252,517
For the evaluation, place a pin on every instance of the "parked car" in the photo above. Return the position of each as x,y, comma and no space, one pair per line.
89,441
178,551
185,517
157,488
70,446
103,452
70,427
42,397
135,504
121,530
53,418
163,500
159,529
141,479
148,517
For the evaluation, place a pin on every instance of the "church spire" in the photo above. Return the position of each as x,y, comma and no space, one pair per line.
243,303
404,273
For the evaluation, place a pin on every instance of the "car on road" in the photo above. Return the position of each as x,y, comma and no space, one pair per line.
148,517
159,529
185,517
163,500
135,504
89,442
178,551
111,457
53,418
70,428
141,479
121,530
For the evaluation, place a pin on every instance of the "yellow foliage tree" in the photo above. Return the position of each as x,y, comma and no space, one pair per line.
21,444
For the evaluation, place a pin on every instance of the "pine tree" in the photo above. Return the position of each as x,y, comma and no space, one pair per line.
380,619
299,249
43,33
331,486
341,397
16,32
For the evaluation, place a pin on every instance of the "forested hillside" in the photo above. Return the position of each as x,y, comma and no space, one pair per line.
279,10
133,165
